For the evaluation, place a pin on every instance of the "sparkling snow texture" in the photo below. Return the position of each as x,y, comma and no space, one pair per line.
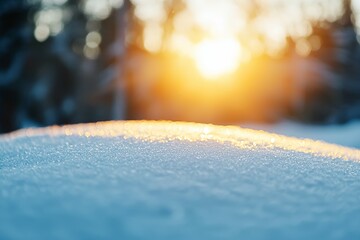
161,180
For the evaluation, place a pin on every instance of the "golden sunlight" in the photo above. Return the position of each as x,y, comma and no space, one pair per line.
217,57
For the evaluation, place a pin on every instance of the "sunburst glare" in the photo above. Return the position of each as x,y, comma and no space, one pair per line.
217,57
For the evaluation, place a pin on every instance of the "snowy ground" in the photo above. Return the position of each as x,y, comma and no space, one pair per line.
158,180
346,134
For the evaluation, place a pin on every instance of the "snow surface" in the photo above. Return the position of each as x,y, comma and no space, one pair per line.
162,180
345,134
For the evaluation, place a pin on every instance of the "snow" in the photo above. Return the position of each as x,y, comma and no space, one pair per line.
346,134
163,180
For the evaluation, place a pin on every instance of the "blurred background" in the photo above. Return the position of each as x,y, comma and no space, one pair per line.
212,61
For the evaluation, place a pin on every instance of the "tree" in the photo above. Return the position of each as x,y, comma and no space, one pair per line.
64,78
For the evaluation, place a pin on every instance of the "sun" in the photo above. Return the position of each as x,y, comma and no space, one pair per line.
217,57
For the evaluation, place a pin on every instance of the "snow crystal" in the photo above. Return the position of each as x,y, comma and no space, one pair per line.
162,180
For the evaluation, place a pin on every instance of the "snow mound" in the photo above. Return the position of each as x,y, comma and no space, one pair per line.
163,180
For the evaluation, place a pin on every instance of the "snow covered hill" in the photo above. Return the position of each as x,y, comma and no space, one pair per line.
162,180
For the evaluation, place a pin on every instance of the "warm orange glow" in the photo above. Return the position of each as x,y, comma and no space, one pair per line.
216,57
223,62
